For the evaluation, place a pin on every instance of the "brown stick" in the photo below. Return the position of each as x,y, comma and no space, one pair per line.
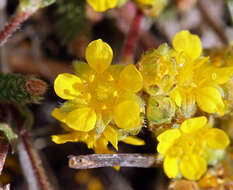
111,160
3,153
211,21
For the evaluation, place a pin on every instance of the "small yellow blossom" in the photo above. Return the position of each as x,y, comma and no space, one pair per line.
145,2
197,80
103,5
100,99
189,149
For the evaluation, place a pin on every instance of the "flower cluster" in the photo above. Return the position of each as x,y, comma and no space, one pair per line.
186,76
107,103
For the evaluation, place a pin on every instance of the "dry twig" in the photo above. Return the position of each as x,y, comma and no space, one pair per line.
111,160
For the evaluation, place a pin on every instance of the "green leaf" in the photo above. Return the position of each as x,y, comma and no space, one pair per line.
33,5
9,135
72,20
46,3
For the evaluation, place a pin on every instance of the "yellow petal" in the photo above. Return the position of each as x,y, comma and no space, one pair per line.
117,168
188,43
111,135
131,79
91,139
101,146
127,115
210,100
146,2
67,86
115,70
170,166
83,119
217,139
102,5
99,55
176,97
193,167
133,141
221,75
59,115
70,137
166,140
194,124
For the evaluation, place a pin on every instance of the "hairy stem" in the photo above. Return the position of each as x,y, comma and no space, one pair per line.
32,155
111,160
13,25
131,39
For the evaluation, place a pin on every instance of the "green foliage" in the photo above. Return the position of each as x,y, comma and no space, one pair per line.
45,3
72,19
9,135
18,89
34,5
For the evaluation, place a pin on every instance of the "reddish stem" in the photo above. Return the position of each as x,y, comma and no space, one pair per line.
3,153
34,158
131,39
13,25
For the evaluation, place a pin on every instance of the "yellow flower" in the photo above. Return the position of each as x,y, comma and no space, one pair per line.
103,5
145,2
197,80
97,95
189,149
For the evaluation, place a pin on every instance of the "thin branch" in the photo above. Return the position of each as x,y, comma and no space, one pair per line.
13,25
217,28
128,52
25,10
37,172
31,153
111,160
4,67
3,153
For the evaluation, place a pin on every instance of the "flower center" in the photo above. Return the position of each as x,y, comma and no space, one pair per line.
103,91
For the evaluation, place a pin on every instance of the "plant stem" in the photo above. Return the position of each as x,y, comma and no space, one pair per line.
13,25
32,154
111,160
128,52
